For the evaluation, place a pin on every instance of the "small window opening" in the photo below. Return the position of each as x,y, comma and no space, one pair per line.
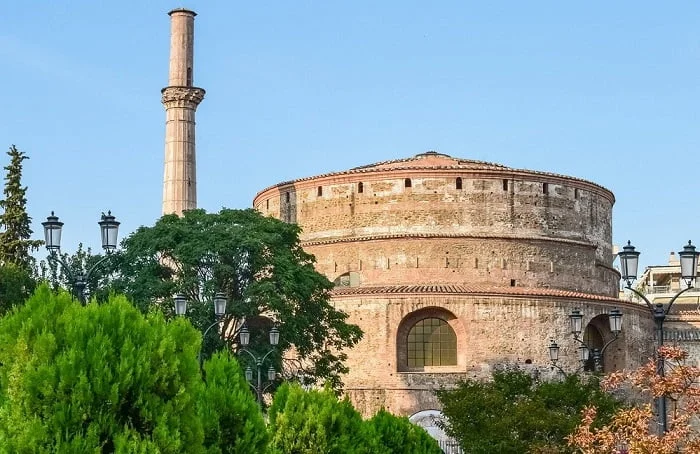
505,185
319,191
286,197
360,187
577,194
545,188
189,76
267,204
458,183
512,282
407,183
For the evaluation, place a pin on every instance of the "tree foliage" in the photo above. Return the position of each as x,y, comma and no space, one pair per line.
77,379
397,435
635,430
106,378
15,242
98,285
16,285
514,413
231,417
259,264
316,421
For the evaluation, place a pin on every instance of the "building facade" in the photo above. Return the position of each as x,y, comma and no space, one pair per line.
452,267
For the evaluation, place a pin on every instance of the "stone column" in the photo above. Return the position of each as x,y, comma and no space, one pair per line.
180,99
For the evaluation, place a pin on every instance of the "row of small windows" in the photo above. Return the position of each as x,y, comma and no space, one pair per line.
408,183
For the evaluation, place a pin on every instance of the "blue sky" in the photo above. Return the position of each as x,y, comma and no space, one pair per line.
606,91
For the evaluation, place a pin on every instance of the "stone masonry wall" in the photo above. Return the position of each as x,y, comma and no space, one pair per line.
434,205
506,262
490,331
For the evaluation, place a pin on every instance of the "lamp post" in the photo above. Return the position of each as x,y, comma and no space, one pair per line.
220,302
258,386
585,350
629,264
109,228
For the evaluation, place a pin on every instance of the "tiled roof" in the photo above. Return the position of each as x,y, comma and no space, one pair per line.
485,290
446,235
439,161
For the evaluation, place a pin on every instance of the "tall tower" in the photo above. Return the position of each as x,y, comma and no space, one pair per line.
180,99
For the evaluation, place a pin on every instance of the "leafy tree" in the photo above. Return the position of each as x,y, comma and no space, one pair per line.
232,419
397,435
259,264
16,285
15,242
77,379
317,422
97,286
107,378
634,430
513,413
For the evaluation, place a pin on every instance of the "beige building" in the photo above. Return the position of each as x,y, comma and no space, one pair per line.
452,267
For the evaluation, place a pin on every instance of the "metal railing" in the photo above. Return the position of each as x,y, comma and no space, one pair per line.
450,447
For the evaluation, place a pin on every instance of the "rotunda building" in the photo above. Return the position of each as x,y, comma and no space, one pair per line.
452,267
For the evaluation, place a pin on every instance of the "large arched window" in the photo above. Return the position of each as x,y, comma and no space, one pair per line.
431,342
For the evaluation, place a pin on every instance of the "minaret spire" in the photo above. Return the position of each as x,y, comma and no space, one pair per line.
180,99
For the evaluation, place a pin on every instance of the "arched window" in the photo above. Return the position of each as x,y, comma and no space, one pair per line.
360,187
458,183
431,342
407,183
319,191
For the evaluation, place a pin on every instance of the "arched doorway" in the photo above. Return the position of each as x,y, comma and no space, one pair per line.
602,342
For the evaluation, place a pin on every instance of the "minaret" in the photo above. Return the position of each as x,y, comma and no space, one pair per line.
180,99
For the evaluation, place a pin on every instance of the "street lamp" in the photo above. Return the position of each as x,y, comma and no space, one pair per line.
220,302
629,263
584,350
109,228
259,387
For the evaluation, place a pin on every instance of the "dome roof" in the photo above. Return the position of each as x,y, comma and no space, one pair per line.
433,161
430,160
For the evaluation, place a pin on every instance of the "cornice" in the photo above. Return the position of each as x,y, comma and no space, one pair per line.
420,236
480,290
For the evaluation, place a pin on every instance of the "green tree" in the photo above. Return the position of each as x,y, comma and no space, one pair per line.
259,264
397,435
106,378
515,414
231,417
97,286
15,242
81,379
16,285
317,422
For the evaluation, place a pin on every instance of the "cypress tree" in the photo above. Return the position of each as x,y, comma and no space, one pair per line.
15,242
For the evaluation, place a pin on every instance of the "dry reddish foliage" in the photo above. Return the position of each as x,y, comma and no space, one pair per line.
635,430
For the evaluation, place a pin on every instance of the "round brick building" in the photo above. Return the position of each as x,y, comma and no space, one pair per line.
453,266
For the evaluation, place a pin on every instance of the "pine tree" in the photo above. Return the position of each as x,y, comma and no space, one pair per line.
15,242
